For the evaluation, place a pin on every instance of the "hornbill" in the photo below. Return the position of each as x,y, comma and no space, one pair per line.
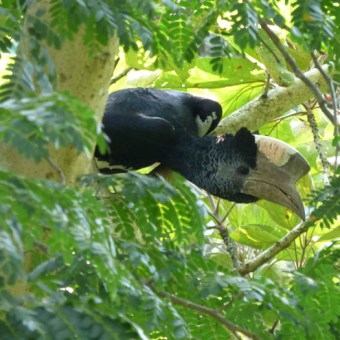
145,126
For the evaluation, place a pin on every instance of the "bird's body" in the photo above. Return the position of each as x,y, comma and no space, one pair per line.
145,126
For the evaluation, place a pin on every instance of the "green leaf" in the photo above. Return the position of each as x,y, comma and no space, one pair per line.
30,124
327,203
257,236
331,235
67,321
174,213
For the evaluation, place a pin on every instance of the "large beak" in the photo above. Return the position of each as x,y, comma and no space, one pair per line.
279,166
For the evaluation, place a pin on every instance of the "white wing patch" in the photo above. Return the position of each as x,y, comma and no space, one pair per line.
204,126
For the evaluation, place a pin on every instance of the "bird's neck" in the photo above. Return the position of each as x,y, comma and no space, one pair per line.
185,157
198,160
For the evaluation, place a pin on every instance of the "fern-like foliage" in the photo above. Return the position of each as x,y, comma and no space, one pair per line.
327,203
11,21
139,200
30,124
169,32
28,76
72,236
100,254
185,27
316,298
245,25
313,22
19,80
94,262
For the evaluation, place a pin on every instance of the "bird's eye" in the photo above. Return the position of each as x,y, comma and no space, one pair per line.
242,170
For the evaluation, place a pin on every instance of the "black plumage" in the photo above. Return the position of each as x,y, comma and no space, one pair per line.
218,165
145,126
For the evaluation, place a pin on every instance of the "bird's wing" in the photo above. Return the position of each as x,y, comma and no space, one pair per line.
135,141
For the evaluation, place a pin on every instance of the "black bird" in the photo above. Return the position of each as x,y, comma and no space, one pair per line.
145,126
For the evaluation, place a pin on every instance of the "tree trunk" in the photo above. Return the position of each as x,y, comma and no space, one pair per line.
88,78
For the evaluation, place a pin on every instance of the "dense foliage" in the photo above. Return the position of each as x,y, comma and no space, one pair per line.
131,256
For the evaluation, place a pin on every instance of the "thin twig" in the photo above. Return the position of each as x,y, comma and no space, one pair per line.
277,59
330,82
228,212
310,241
296,254
273,328
121,75
318,95
230,245
227,304
293,260
58,170
266,87
115,63
205,310
303,245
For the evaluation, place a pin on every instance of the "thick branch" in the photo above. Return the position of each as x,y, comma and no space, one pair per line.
283,243
278,101
208,311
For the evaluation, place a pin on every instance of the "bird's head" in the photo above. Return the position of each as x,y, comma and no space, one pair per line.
208,113
256,167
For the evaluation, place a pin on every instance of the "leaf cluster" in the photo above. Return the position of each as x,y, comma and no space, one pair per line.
327,203
172,34
84,278
99,267
106,258
32,123
316,24
28,76
315,297
154,204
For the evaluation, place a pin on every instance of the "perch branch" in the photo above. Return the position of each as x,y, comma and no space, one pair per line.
278,100
281,244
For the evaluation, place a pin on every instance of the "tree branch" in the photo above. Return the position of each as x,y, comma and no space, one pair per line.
330,82
205,310
279,100
280,245
58,170
121,75
223,230
313,87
